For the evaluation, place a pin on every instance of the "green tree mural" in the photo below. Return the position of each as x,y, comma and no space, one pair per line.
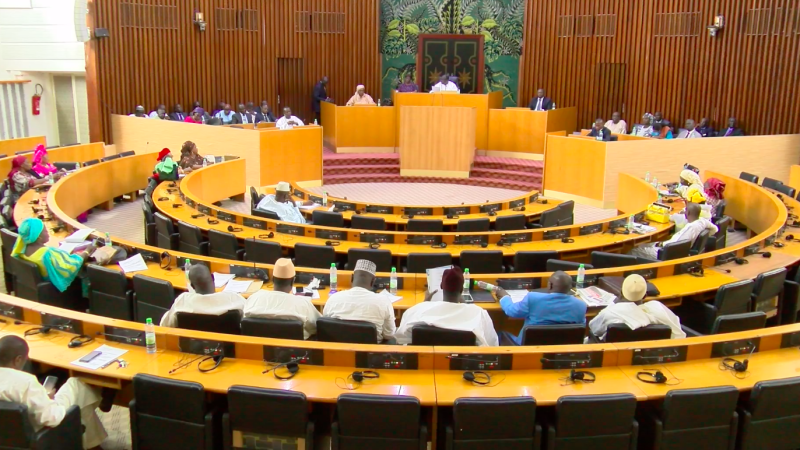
499,21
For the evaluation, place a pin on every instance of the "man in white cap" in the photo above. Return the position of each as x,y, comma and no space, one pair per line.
281,303
281,204
632,312
360,303
204,299
360,97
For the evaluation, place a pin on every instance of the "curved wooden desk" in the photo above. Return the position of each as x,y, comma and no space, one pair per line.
72,153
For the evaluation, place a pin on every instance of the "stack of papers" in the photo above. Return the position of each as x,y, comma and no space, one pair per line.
72,246
107,356
79,236
435,281
221,279
594,296
392,298
639,228
308,207
236,286
133,264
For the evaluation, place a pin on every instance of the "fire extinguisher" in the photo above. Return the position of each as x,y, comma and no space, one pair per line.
36,100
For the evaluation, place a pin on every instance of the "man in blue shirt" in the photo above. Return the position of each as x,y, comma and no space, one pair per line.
225,115
557,306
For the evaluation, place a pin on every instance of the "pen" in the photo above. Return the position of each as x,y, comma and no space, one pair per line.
109,363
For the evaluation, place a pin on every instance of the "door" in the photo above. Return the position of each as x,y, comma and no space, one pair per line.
292,89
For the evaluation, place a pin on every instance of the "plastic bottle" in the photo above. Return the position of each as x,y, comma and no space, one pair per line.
599,136
324,198
630,222
485,286
108,240
205,162
186,268
581,275
393,282
655,182
465,291
379,102
647,177
50,179
554,105
334,283
315,122
77,166
150,336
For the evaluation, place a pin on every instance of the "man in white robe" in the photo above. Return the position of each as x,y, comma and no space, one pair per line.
282,204
690,232
445,85
204,299
288,121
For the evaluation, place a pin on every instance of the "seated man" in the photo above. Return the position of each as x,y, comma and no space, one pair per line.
540,102
47,409
139,112
264,114
444,85
450,313
281,204
616,124
694,226
225,115
204,299
630,310
600,132
557,306
281,303
360,97
705,129
659,118
690,131
360,303
159,113
733,130
288,121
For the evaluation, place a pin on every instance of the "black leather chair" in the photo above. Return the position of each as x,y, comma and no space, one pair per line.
731,298
228,323
510,223
691,418
265,214
532,262
553,334
156,424
272,412
401,426
128,153
425,226
109,294
30,286
748,177
368,223
68,166
316,256
17,431
8,238
327,219
730,323
381,258
151,186
619,332
191,239
478,424
719,211
419,262
605,260
786,190
224,245
91,162
699,243
265,252
152,298
566,211
486,261
255,197
557,264
674,250
472,225
549,218
720,238
150,230
771,183
770,418
790,304
273,328
109,158
346,331
612,424
428,335
168,238
768,286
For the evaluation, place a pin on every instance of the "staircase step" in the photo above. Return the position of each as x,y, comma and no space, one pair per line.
525,186
501,174
520,165
528,185
362,178
339,159
361,169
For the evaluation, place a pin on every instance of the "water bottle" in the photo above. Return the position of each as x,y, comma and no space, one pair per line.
324,198
334,283
647,177
554,105
315,122
630,222
581,274
186,268
205,162
108,240
150,336
655,182
393,282
379,102
599,136
485,286
465,291
50,179
77,166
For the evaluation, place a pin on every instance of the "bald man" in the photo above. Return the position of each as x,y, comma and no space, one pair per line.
695,225
555,307
204,299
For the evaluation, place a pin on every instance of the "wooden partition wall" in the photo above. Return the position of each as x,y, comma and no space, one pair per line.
360,129
515,131
10,146
72,153
429,149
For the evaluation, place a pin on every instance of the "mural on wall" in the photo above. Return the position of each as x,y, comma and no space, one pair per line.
499,21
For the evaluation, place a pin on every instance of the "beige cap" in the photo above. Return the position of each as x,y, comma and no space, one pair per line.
283,268
634,288
283,187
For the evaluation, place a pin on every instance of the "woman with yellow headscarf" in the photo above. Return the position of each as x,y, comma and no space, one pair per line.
691,187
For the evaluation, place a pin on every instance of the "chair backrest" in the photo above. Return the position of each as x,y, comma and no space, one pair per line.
191,240
265,252
787,190
16,430
151,186
769,284
348,331
128,153
255,197
720,238
266,214
419,262
604,260
550,218
619,332
399,427
719,210
273,328
472,225
109,295
510,223
749,177
425,225
700,242
613,428
249,406
487,261
368,223
91,162
316,256
694,416
675,250
533,262
153,297
156,423
8,239
165,229
327,219
381,258
428,335
773,410
734,298
26,278
771,183
228,322
222,245
472,430
109,158
731,323
567,209
557,264
553,334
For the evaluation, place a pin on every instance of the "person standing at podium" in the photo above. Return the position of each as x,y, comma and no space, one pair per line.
360,98
540,102
444,85
320,95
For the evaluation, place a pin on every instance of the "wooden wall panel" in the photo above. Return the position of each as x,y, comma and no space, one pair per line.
647,55
157,55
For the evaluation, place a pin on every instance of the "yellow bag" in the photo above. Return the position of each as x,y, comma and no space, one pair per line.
658,213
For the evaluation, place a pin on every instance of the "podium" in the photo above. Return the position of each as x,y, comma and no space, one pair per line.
436,142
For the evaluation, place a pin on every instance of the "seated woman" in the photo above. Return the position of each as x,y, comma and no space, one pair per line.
166,169
646,127
56,266
407,85
661,131
41,163
190,158
715,188
22,177
691,187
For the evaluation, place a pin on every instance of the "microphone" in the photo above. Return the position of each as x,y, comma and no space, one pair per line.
127,339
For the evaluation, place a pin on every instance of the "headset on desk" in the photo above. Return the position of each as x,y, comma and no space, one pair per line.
358,378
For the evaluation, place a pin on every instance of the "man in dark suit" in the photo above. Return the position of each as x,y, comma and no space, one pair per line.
540,102
242,116
320,95
265,115
599,131
732,129
705,129
177,113
659,118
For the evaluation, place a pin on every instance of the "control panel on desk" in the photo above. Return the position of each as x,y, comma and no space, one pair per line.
289,354
479,362
393,361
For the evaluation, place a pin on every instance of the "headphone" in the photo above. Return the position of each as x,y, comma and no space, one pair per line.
518,208
696,271
163,199
791,237
79,341
217,361
407,216
358,211
212,221
454,216
374,245
168,257
291,366
358,378
234,229
735,365
582,375
778,244
477,377
491,213
652,377
197,216
37,330
269,235
567,240
741,261
177,205
764,254
334,243
502,243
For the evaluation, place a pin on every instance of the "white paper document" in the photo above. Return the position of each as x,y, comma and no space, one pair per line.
594,296
314,292
517,295
221,279
307,207
71,246
133,264
79,235
389,296
435,281
106,356
238,287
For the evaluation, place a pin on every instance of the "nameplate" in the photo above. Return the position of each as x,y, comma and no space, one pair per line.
576,360
344,206
724,258
519,283
646,356
306,277
204,209
379,209
377,238
516,203
471,240
424,240
681,269
254,223
739,347
124,336
329,234
207,348
281,355
770,240
418,211
490,207
555,234
299,194
456,211
472,361
14,312
752,249
388,361
289,229
315,198
254,273
533,198
517,237
62,323
190,203
227,217
591,229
